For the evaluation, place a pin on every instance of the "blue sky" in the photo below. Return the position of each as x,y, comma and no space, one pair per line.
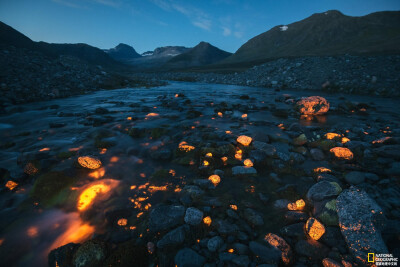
147,24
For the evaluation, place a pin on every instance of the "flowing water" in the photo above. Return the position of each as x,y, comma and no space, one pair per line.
30,229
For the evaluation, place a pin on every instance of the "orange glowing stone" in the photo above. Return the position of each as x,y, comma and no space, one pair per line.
345,140
228,132
152,115
331,136
342,153
97,174
89,162
298,205
209,155
220,114
224,159
122,222
176,95
248,163
322,170
244,140
114,159
244,116
183,146
215,179
313,105
32,231
129,118
207,220
280,243
11,185
103,151
231,250
238,156
314,228
206,163
88,195
234,207
44,149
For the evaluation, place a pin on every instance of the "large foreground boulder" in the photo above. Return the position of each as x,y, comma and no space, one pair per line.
313,105
360,220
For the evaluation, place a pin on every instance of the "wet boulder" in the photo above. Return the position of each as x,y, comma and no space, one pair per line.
312,249
242,170
173,238
90,253
266,254
187,257
193,216
323,190
165,217
360,220
62,256
313,105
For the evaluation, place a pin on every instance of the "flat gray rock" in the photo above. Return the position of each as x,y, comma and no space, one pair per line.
165,217
193,216
360,220
172,238
323,190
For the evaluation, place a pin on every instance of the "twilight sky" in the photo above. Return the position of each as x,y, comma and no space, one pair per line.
147,24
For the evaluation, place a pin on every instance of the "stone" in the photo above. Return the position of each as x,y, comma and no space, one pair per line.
268,149
225,228
355,177
242,260
172,238
294,230
193,216
214,243
243,170
312,249
360,220
63,255
313,105
323,190
330,263
280,244
389,151
90,253
300,140
165,217
317,154
187,257
265,254
253,217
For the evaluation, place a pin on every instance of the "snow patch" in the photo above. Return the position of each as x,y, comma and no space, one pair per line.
284,28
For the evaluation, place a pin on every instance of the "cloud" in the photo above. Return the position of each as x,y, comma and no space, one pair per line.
111,3
67,3
196,16
238,34
226,31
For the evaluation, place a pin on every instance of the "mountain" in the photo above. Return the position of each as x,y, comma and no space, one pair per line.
158,57
90,54
327,33
200,55
123,53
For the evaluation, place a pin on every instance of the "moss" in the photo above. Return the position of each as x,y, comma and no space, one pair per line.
66,154
52,188
337,186
90,253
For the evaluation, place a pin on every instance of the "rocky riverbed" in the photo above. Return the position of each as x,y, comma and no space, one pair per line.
370,75
195,174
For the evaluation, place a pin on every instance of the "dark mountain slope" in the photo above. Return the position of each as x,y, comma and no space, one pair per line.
328,33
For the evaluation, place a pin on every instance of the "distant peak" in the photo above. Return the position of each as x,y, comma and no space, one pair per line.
120,45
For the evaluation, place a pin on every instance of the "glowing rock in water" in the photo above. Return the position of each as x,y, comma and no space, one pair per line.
313,105
244,140
248,163
322,170
298,205
122,222
342,153
11,185
183,146
89,162
207,220
314,228
88,195
280,243
331,136
215,179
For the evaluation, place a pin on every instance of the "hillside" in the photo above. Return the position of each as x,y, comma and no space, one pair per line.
328,33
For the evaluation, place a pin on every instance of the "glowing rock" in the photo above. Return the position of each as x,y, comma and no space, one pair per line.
313,105
122,222
280,243
314,228
30,169
89,162
342,153
215,179
244,140
207,220
298,205
331,136
248,163
11,185
89,194
183,146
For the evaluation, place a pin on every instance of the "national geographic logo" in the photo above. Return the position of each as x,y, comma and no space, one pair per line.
382,259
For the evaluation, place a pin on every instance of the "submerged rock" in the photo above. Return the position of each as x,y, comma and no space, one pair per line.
360,220
242,170
187,257
165,217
